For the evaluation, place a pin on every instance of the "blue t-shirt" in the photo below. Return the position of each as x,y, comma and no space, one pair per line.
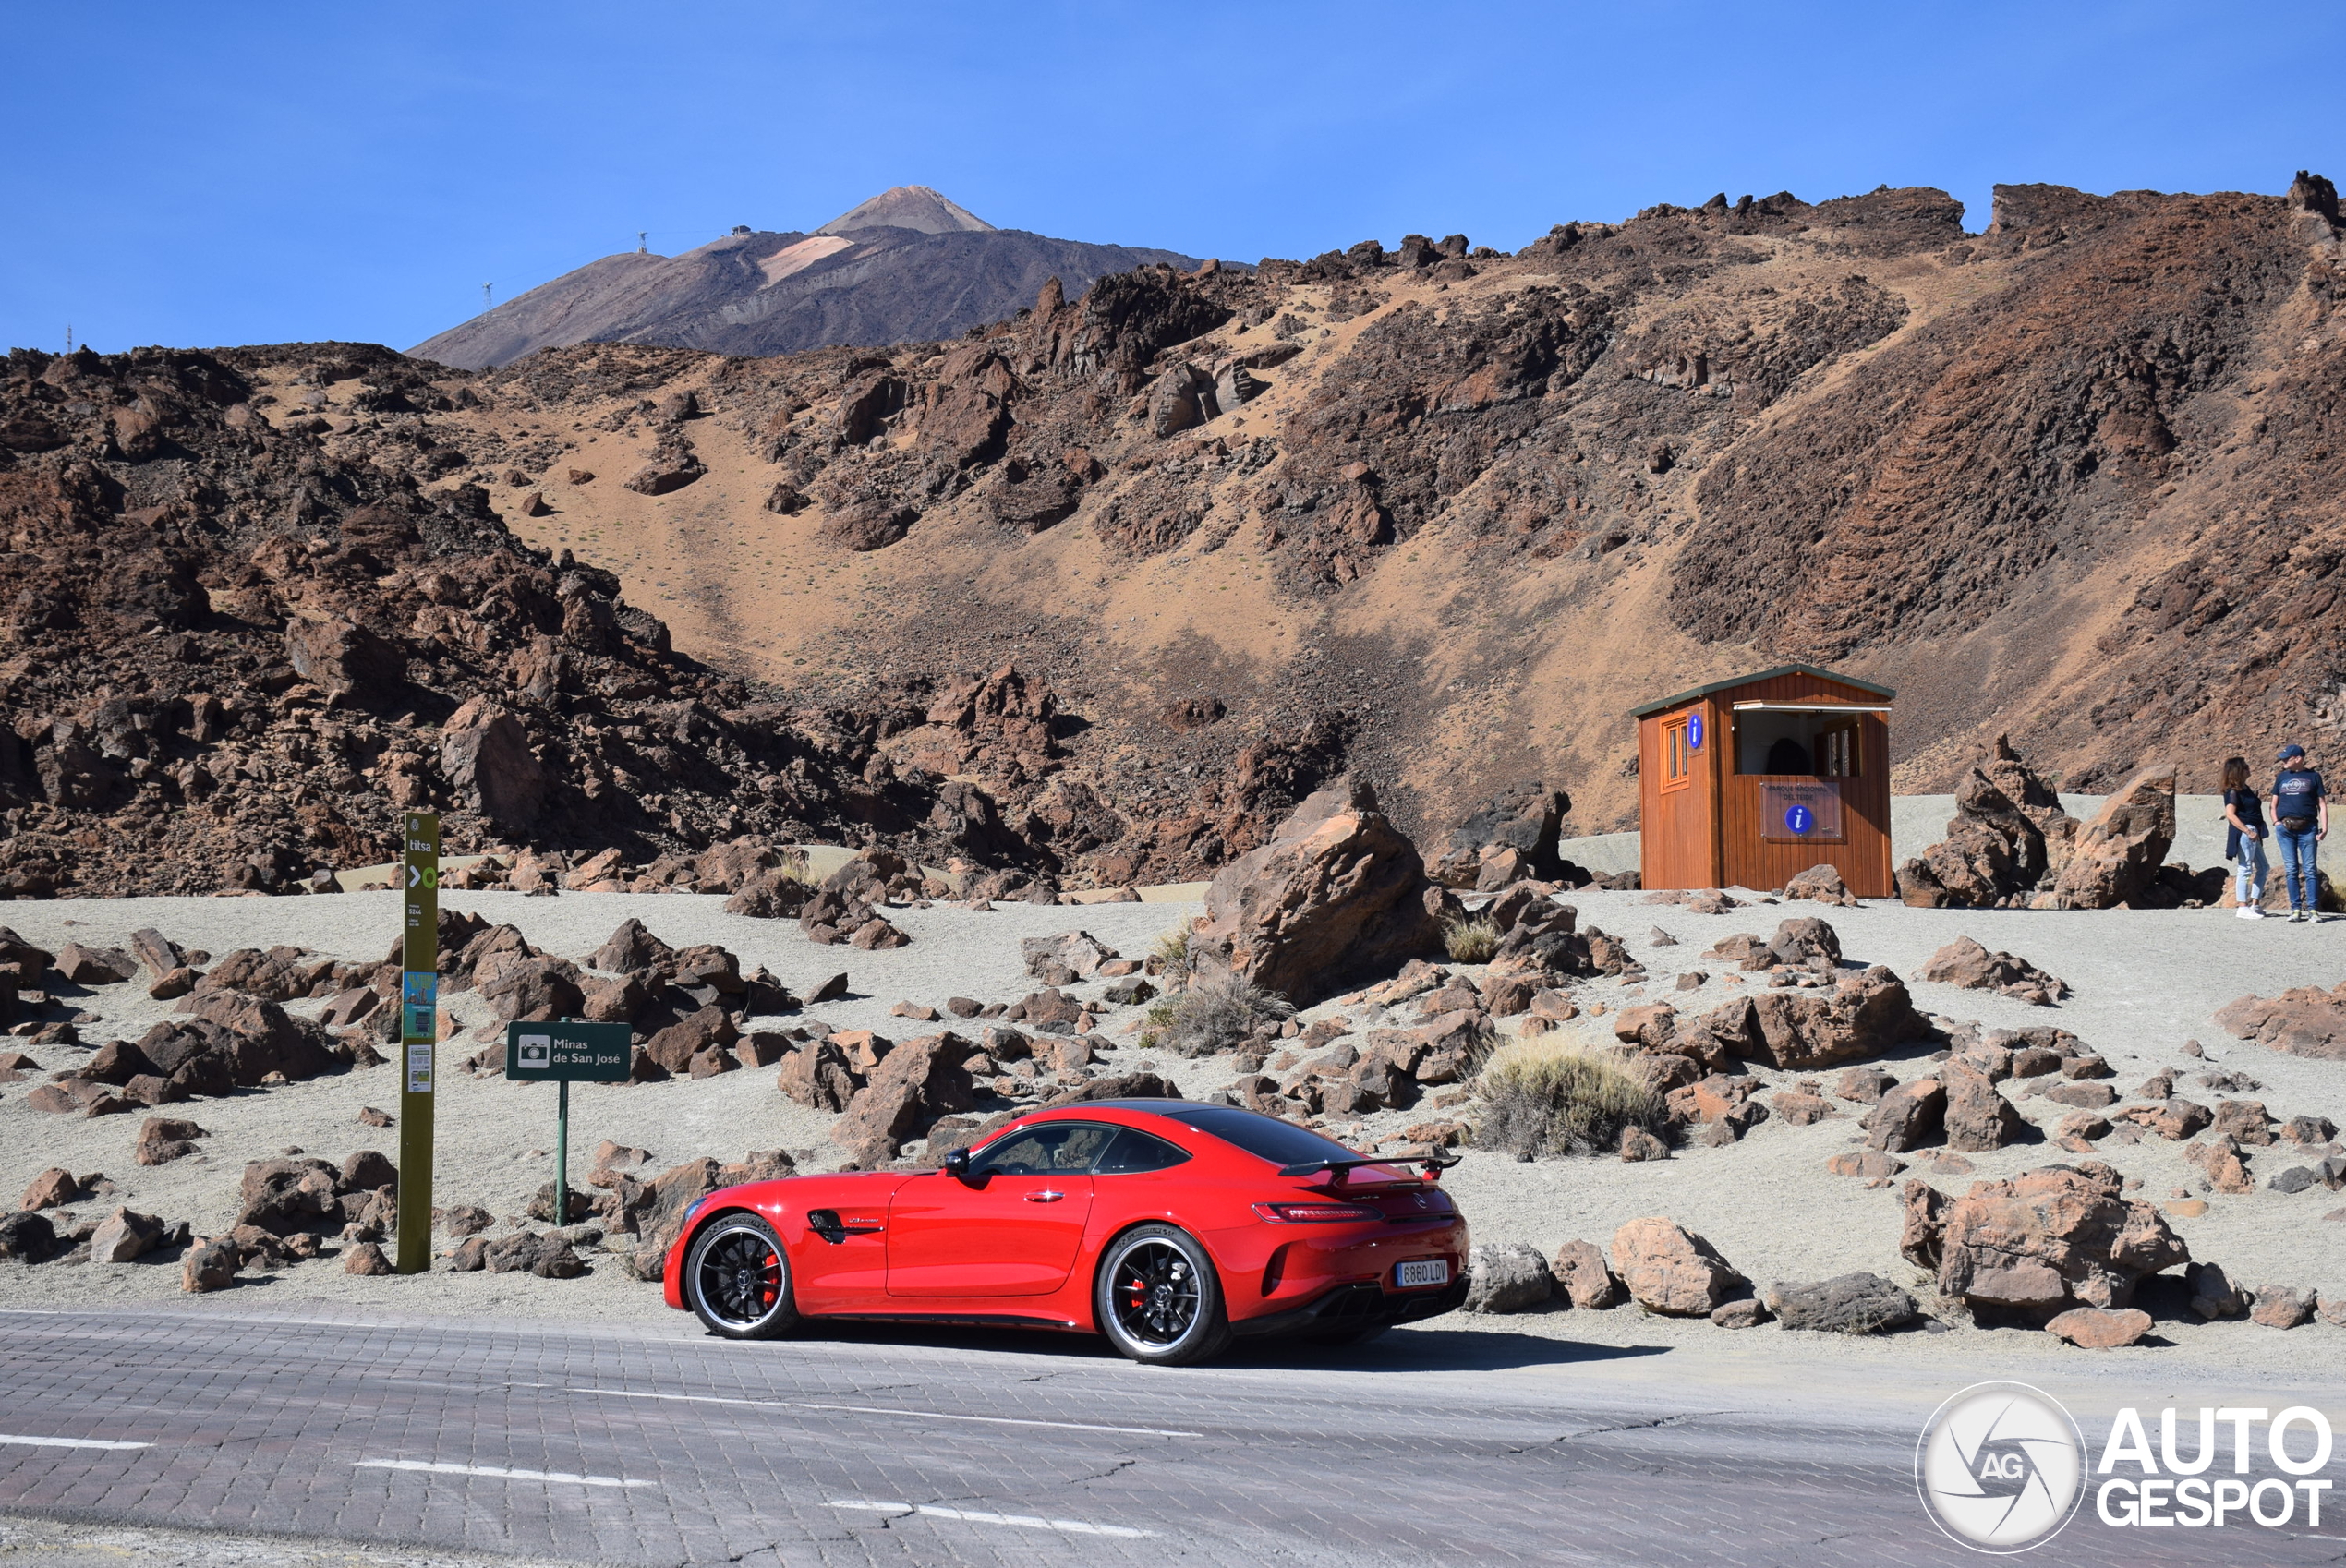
2297,792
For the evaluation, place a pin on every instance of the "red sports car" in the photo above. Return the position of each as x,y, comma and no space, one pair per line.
1167,1226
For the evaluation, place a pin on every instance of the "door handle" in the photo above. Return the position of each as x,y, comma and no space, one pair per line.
1045,1196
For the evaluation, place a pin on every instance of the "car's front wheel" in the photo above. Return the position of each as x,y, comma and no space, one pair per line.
737,1278
1158,1299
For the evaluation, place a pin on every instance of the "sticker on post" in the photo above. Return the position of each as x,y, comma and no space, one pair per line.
419,1005
419,1067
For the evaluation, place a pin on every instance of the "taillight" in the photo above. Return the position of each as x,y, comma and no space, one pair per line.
1315,1214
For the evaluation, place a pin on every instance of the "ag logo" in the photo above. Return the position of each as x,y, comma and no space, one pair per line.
537,1051
2000,1467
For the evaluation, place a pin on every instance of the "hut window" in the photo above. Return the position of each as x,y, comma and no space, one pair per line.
1678,758
1800,744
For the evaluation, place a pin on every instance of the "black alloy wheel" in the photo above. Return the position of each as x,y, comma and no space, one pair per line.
1158,1299
738,1280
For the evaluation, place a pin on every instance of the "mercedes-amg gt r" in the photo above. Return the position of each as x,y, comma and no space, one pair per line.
1168,1226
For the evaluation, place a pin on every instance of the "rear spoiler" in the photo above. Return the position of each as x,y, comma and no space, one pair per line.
1338,1167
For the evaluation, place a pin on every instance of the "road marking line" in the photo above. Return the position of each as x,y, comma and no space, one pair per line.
889,1410
1024,1520
498,1472
67,1443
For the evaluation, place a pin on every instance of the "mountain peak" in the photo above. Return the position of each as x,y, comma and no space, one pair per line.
907,206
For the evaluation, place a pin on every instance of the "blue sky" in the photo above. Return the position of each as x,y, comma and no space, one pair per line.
241,173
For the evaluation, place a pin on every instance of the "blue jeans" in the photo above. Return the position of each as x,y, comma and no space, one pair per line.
2248,875
2297,851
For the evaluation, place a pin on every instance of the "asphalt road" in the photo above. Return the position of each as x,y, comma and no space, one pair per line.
433,1441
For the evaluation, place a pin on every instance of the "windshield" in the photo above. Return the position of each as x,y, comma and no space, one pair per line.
1267,1137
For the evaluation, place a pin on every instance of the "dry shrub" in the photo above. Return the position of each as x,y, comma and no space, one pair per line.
1216,1015
1470,941
1550,1096
1173,958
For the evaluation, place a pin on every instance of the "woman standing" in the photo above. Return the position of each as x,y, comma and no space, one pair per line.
2244,837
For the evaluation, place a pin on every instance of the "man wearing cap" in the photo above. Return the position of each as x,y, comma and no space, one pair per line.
2301,821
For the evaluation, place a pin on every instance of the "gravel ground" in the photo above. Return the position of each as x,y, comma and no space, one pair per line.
2146,982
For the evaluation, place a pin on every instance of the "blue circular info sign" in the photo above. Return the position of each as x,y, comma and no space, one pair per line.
1799,819
1694,732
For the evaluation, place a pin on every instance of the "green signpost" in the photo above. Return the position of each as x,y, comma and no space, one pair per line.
567,1052
418,1028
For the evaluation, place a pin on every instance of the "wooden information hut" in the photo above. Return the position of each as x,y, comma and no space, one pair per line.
1749,782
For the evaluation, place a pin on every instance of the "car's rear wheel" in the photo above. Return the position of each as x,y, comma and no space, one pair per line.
1158,1299
737,1278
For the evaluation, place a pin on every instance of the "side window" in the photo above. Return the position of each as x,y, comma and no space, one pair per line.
1133,1153
1056,1149
1678,757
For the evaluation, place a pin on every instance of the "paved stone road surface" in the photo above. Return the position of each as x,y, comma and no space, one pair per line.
444,1440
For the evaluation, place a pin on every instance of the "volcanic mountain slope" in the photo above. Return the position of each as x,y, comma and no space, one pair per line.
1100,589
907,265
1445,517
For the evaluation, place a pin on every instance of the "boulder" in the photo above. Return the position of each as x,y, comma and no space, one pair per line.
533,990
281,1197
367,1170
211,1266
1864,1086
366,1259
2303,1021
1524,822
485,756
771,894
2100,1328
547,1256
1582,1277
1075,954
344,659
920,1081
2009,832
1909,1116
2175,1118
2213,1294
1966,963
1746,1313
1821,884
1511,1278
1856,1303
1866,1165
95,966
1866,1015
817,1076
2279,1306
52,1188
674,1047
1670,1270
1337,892
164,1139
2115,858
22,964
125,1236
1977,1116
2042,1242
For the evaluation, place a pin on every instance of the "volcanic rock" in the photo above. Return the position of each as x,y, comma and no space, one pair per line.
1510,1278
1856,1303
1337,892
1670,1270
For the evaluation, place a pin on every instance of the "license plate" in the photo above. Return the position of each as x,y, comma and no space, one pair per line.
1431,1271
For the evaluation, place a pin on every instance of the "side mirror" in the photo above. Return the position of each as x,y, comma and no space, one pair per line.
957,1164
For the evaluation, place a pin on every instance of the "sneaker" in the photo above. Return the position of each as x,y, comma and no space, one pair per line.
2249,911
2295,916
